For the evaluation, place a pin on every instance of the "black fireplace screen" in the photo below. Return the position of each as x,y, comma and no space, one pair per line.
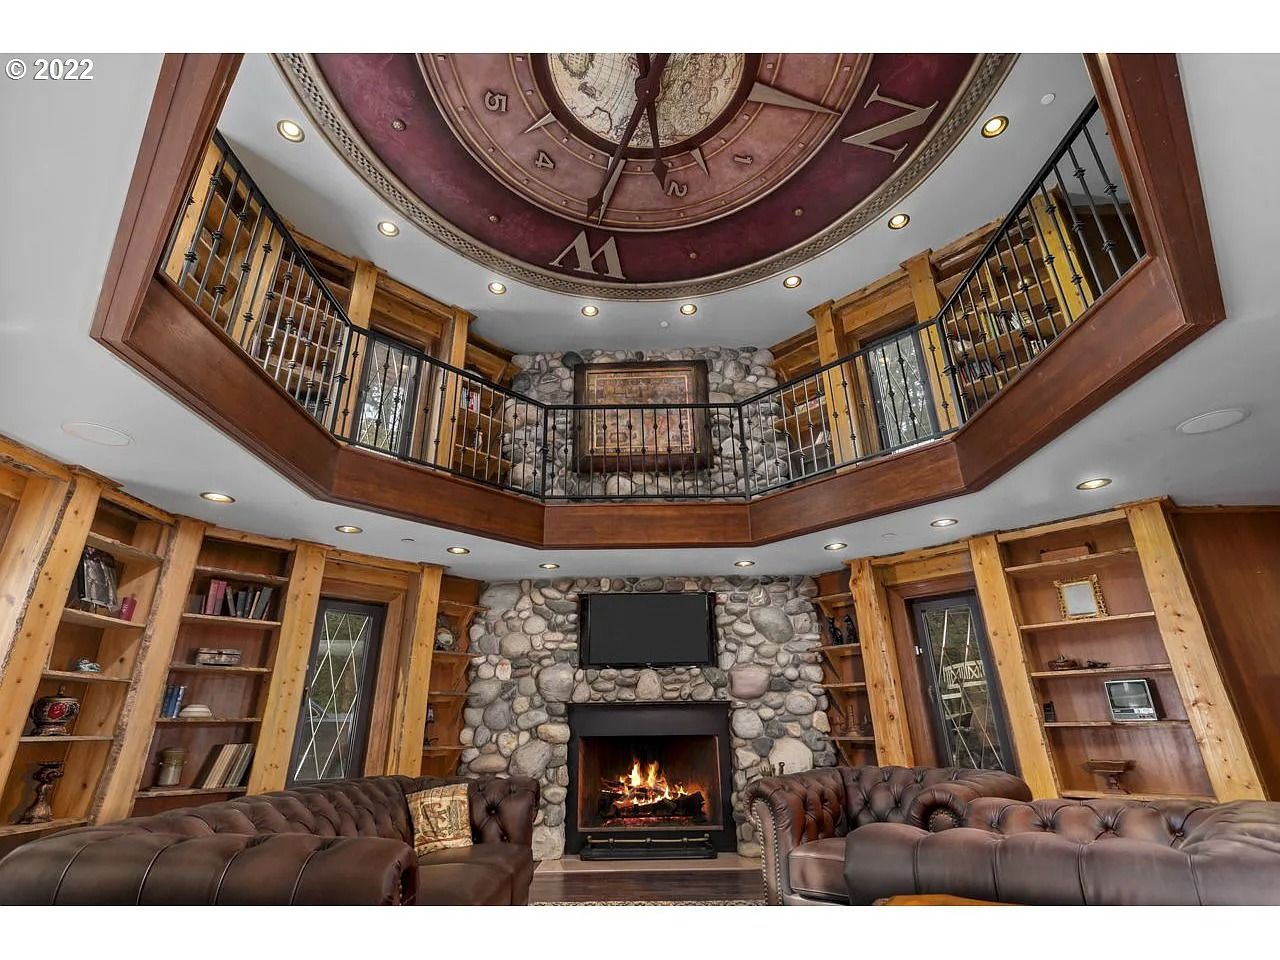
648,782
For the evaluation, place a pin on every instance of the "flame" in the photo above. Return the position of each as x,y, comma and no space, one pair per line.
637,791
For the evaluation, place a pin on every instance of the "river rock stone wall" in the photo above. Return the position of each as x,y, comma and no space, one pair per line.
733,374
524,673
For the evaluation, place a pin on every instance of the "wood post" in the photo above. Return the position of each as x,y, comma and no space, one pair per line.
58,520
176,265
884,682
413,675
137,720
454,353
1066,258
1213,719
924,293
847,432
359,310
1009,658
270,769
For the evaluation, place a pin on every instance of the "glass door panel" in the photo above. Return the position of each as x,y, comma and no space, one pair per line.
333,724
951,645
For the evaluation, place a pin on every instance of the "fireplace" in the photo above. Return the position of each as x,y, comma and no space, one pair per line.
648,780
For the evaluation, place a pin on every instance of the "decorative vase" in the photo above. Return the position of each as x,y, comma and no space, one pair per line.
52,714
444,639
41,811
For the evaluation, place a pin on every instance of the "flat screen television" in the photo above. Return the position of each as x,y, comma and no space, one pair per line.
647,629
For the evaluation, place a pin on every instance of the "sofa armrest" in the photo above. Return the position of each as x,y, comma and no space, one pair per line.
791,810
945,805
108,866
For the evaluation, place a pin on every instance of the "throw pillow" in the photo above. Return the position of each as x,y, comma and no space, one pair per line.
441,818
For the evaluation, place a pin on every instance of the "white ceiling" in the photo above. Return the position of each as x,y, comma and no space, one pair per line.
314,188
65,186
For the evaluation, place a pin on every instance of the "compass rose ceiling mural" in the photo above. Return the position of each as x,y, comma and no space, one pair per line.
637,175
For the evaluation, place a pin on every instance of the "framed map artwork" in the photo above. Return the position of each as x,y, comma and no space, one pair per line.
644,419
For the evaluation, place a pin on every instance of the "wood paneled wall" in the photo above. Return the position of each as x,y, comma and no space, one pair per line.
1232,557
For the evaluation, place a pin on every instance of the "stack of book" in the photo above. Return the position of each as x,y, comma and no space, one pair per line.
246,603
229,765
172,701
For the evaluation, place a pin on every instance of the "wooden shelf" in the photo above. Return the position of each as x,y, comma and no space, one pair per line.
473,462
124,552
16,829
78,676
225,574
851,685
451,655
210,721
456,606
87,619
833,597
867,740
70,738
1099,671
1087,621
1103,795
841,651
187,792
1071,724
462,694
457,749
243,622
203,668
1106,557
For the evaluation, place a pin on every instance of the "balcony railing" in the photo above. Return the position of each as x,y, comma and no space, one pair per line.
1070,236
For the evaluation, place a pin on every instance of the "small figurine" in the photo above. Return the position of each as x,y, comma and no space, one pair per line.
85,665
1063,662
41,811
444,638
1050,712
834,632
850,630
1097,664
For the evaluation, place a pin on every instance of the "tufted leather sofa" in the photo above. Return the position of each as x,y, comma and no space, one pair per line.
1107,851
803,818
345,842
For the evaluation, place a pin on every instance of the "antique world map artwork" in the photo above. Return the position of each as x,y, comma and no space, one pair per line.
643,175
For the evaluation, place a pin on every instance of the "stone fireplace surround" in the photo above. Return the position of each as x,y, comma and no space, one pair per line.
525,672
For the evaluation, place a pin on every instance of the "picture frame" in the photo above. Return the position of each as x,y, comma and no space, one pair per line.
96,580
1081,599
649,423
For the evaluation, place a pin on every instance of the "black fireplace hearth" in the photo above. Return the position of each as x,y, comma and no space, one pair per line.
649,780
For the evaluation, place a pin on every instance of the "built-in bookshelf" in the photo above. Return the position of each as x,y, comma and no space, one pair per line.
223,659
1070,659
478,432
447,694
844,678
93,659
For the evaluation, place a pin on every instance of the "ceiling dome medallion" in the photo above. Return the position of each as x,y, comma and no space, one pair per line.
644,176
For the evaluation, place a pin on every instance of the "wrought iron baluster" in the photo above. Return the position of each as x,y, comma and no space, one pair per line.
1111,190
218,234
1108,245
1056,223
1081,243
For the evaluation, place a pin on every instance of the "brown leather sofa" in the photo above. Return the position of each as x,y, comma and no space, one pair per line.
345,842
803,818
1099,852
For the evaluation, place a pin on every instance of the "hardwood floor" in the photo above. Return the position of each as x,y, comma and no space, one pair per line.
728,878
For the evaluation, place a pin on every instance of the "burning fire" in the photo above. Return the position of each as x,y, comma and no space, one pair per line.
645,792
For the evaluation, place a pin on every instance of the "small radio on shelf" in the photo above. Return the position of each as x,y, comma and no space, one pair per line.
1132,700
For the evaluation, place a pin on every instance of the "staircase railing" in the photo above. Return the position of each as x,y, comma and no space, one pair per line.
1069,237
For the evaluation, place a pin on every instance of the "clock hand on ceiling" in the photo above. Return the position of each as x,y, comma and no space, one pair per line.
648,85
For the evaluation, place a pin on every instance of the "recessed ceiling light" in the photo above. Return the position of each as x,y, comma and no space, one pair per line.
688,309
291,131
664,324
96,433
388,229
835,545
590,310
995,126
549,566
1213,420
744,563
457,551
497,288
898,221
792,281
1048,98
407,540
348,528
1095,484
888,536
213,496
944,522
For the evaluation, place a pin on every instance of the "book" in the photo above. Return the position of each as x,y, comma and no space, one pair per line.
172,701
240,767
213,597
218,767
262,605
